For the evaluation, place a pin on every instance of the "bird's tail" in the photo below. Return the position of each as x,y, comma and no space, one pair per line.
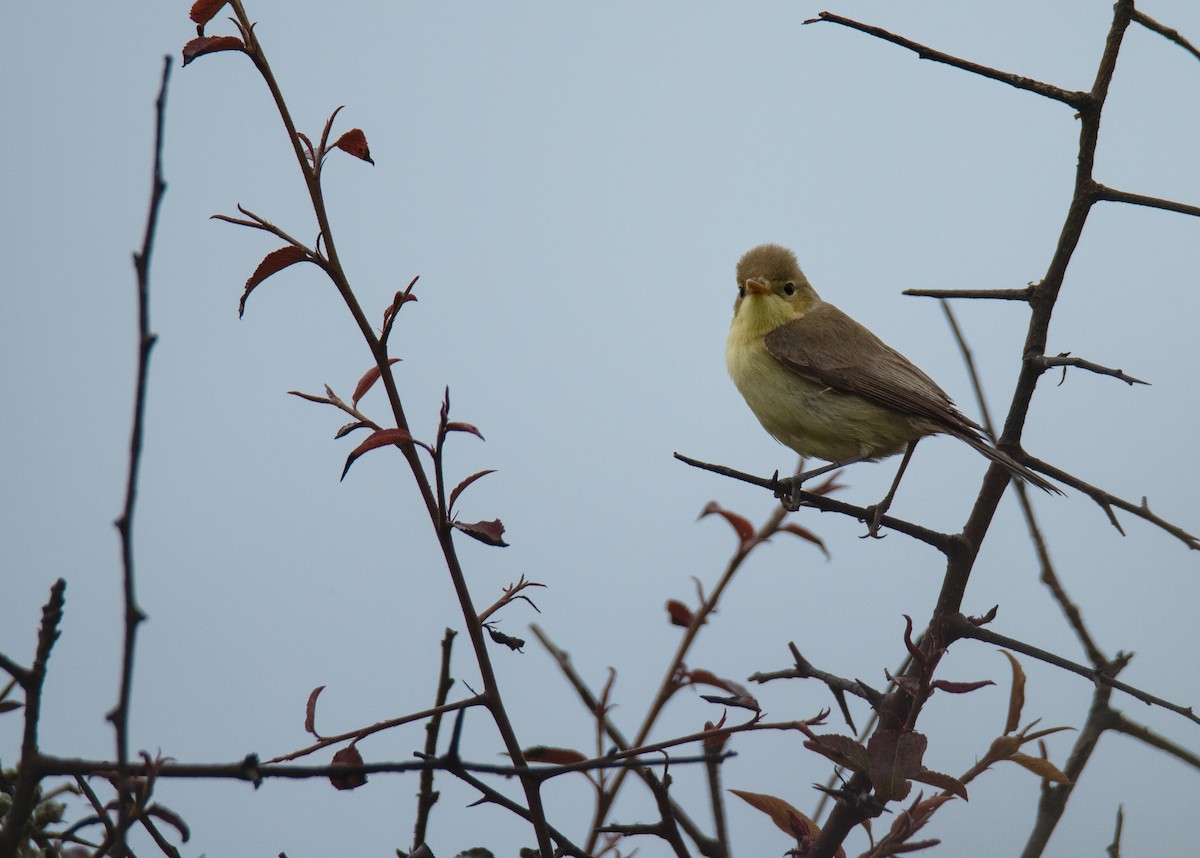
1019,471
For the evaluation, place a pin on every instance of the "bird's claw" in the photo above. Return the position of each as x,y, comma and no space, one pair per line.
788,492
874,520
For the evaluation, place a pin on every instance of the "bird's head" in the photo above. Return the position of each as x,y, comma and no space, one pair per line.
772,290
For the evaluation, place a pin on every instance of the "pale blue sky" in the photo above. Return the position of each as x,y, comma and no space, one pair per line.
574,184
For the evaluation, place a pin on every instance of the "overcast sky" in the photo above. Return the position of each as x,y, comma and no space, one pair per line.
574,184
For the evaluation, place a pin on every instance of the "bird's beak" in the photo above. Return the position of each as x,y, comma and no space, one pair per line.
757,287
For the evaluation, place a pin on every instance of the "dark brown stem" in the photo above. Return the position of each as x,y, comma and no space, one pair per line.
440,521
119,716
426,797
24,797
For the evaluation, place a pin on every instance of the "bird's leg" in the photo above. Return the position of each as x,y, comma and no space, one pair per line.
789,489
875,513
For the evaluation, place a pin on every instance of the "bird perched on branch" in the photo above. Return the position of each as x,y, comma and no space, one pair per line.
825,386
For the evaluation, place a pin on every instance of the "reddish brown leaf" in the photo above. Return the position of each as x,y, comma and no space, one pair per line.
274,261
324,400
700,676
368,380
786,818
960,687
210,45
895,757
380,438
946,783
807,535
348,780
455,426
1041,767
458,490
204,10
310,711
355,142
680,614
554,756
741,526
487,532
348,428
1016,697
171,818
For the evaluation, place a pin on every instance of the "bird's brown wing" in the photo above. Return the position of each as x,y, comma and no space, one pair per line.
829,347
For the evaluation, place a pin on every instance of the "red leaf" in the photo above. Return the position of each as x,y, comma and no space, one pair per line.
743,528
487,532
204,10
348,780
807,535
455,426
210,45
310,711
274,261
355,142
555,756
458,490
368,380
381,438
680,614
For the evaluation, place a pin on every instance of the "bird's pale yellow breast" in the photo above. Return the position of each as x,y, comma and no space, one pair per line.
803,414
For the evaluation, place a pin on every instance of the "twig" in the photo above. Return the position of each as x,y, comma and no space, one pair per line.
1107,501
426,796
1076,99
1102,192
441,523
944,542
1048,576
960,627
119,716
1065,360
998,294
1166,32
563,659
24,795
433,712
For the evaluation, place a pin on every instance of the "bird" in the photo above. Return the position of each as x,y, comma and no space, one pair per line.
827,387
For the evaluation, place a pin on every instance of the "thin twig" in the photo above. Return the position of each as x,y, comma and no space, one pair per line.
134,615
998,294
1166,32
1066,360
959,626
1107,501
1076,99
24,795
944,542
426,796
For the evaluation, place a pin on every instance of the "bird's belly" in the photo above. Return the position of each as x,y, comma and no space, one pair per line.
815,420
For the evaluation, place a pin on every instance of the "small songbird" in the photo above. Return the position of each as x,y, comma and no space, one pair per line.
825,386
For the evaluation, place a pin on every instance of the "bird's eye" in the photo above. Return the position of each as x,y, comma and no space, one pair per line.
789,288
741,291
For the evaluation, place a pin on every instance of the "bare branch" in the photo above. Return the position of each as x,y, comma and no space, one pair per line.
1077,100
1065,360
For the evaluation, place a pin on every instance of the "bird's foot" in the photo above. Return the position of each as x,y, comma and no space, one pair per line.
874,521
787,491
